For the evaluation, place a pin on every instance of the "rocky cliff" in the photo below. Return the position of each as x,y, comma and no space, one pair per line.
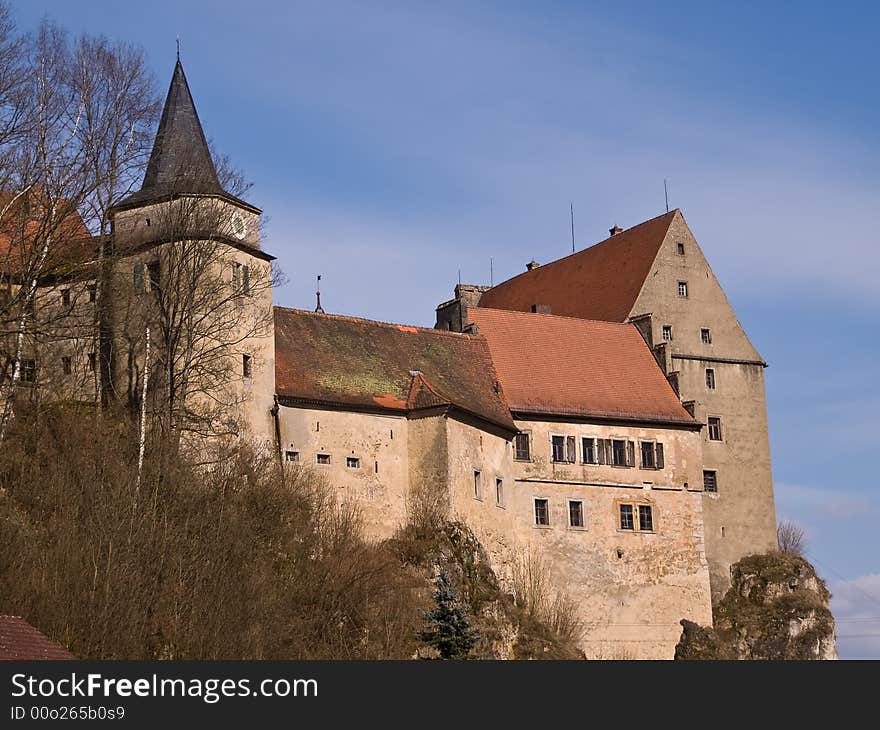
776,608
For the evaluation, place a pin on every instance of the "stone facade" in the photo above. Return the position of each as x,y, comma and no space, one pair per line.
740,515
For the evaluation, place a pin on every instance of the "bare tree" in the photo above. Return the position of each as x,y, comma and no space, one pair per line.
791,538
74,127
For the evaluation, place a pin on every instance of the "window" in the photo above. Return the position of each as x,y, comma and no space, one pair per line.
291,457
153,275
522,447
589,451
246,279
92,290
623,453
714,428
652,455
236,275
352,462
65,297
710,481
667,333
322,459
28,371
246,366
66,365
681,249
542,512
710,378
93,361
575,513
647,455
682,288
478,484
706,336
499,492
646,518
138,273
563,449
626,517
645,514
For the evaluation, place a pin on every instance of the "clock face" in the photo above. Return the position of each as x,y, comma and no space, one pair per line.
238,227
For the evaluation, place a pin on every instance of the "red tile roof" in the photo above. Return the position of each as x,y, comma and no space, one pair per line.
351,362
601,282
25,220
555,365
20,640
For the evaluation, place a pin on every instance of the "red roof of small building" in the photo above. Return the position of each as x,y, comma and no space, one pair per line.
19,640
555,365
350,362
25,220
601,282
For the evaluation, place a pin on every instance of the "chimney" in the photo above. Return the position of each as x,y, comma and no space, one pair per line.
614,231
532,265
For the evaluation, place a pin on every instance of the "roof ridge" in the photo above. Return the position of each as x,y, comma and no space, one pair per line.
391,325
515,312
670,213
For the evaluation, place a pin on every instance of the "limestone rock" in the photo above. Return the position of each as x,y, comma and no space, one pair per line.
776,608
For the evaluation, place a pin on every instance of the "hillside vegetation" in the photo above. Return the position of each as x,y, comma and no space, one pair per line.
236,559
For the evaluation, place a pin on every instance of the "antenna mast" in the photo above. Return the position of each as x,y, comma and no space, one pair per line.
571,206
491,272
666,194
319,309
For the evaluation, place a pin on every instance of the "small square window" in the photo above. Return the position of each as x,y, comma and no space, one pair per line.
291,457
246,366
680,249
478,484
522,447
93,292
322,459
575,513
499,492
352,462
710,378
714,428
706,336
626,517
66,365
542,512
646,518
93,362
710,481
28,371
667,333
682,288
65,297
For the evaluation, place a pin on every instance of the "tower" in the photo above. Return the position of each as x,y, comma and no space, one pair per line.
188,265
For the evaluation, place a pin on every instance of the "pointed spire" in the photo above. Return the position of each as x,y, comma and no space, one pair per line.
181,161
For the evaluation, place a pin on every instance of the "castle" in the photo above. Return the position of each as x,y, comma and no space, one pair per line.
603,413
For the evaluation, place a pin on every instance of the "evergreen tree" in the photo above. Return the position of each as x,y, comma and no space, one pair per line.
449,630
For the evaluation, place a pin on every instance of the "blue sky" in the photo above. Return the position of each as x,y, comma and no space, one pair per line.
394,144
